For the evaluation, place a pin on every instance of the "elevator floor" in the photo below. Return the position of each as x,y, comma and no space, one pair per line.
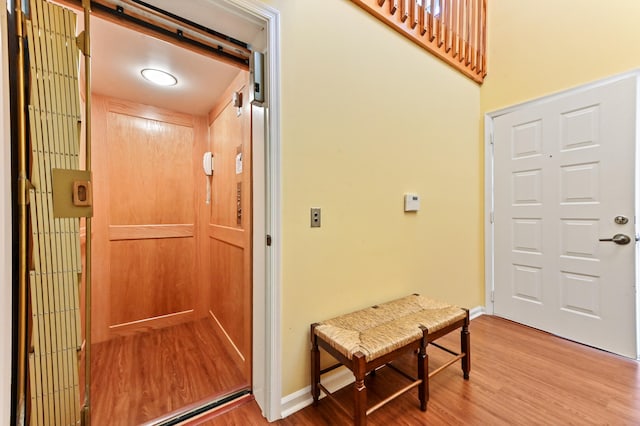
143,377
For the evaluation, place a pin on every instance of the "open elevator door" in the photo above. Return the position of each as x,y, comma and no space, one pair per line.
44,404
54,194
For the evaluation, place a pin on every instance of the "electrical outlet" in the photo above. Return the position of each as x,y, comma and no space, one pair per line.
315,217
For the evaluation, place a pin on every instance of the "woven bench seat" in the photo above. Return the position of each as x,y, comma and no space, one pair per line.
381,329
370,338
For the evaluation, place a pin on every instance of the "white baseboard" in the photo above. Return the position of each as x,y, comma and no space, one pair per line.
333,381
476,312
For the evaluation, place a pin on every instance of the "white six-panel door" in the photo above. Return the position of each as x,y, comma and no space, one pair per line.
564,169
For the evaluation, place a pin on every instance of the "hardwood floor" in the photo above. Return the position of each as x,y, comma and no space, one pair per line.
519,376
142,377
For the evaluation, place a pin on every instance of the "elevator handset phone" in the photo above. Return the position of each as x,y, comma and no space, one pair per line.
207,167
207,163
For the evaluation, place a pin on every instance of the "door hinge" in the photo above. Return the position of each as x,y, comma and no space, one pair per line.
268,240
24,186
492,144
82,42
493,295
492,216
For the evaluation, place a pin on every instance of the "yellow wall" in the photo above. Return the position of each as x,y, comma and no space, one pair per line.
367,116
544,46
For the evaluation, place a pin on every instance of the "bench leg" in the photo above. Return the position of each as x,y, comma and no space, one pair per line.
315,367
465,347
360,390
423,371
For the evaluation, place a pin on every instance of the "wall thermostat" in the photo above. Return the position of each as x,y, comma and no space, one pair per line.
411,202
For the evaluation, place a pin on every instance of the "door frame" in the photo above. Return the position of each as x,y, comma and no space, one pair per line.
489,182
267,370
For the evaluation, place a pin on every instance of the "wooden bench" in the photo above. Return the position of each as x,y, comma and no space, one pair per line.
373,337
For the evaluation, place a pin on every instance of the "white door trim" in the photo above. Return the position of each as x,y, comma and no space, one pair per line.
489,178
488,212
267,370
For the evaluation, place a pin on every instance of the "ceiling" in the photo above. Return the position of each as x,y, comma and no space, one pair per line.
119,54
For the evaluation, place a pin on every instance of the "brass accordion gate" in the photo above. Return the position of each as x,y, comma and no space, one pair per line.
57,194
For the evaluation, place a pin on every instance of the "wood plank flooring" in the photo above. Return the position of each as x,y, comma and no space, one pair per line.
145,376
519,375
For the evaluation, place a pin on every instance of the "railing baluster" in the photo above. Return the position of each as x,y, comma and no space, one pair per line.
473,33
479,39
415,13
468,17
456,28
446,24
483,39
453,30
423,17
404,10
432,22
443,26
463,30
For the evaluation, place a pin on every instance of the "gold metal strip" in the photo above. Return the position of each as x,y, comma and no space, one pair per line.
86,4
62,229
37,221
71,230
37,412
52,100
36,407
74,117
37,307
61,224
22,223
74,224
70,89
52,321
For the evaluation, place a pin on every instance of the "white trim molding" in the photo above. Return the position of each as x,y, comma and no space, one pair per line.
476,312
267,365
488,213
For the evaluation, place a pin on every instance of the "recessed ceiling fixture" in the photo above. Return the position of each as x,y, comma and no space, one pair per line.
159,77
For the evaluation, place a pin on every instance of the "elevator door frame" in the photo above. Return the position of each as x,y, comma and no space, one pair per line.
266,215
267,221
267,218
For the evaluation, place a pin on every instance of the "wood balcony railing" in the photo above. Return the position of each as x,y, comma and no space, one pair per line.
453,30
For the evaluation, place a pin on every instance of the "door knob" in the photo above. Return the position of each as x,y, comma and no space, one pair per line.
618,239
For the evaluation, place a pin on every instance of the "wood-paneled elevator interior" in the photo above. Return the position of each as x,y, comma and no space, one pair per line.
171,274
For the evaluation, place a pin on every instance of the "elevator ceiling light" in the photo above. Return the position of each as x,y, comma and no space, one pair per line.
161,78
